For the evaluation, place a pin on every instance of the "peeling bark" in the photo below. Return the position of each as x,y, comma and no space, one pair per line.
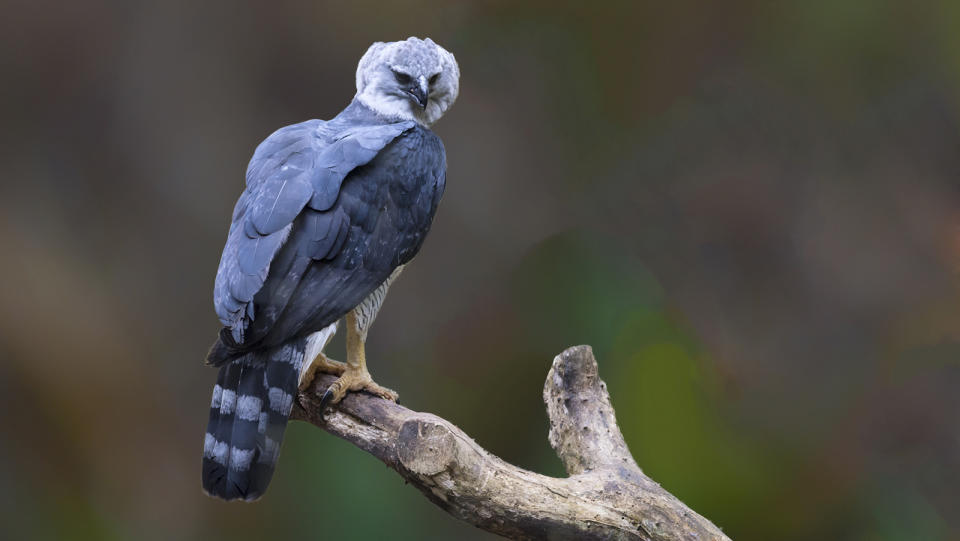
606,495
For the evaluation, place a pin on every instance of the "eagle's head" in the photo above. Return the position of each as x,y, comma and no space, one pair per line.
408,80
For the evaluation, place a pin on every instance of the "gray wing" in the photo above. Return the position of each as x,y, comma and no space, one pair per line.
382,216
297,167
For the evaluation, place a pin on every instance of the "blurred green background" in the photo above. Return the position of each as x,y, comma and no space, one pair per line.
750,210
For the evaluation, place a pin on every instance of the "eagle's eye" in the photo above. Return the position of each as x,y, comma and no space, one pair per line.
402,78
434,78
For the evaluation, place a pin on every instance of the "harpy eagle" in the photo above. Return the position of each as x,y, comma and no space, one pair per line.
331,213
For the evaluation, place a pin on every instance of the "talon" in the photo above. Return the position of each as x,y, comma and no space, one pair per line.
322,364
325,399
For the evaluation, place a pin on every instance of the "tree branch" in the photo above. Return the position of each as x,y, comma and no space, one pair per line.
605,497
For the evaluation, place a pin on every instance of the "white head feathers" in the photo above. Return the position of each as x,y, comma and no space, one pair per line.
408,80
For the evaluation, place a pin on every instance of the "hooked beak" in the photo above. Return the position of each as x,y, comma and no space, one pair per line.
420,92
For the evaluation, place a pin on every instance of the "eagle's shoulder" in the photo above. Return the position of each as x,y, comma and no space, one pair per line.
280,145
416,152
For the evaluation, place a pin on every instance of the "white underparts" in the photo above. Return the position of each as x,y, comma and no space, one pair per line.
315,344
367,311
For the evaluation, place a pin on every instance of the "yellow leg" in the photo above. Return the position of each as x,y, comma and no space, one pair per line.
355,377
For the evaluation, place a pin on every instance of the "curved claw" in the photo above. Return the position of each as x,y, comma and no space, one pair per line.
326,398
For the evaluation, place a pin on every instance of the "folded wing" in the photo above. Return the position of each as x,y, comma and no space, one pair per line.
294,177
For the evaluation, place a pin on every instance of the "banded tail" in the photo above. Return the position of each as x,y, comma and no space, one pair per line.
248,414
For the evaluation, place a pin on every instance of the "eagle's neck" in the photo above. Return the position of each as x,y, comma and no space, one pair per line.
360,113
388,108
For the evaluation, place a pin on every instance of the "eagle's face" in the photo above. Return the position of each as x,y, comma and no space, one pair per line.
408,80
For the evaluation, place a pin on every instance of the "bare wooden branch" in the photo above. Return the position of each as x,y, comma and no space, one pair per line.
605,497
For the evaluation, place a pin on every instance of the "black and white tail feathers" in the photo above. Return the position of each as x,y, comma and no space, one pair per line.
248,414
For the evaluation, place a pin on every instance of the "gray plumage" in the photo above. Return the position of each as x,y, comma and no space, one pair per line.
329,211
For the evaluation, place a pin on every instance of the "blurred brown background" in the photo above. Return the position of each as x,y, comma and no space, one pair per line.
750,209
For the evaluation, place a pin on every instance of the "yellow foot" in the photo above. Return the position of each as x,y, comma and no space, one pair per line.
321,364
354,380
